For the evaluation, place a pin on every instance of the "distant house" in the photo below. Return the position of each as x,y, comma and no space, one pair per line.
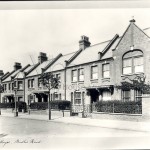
14,81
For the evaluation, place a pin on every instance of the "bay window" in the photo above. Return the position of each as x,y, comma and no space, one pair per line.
31,83
20,85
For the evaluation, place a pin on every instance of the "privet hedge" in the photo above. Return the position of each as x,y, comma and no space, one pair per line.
20,105
58,104
116,106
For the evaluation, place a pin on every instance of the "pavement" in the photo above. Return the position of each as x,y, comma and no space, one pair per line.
105,123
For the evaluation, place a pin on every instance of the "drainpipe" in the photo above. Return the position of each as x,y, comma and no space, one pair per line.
65,82
24,88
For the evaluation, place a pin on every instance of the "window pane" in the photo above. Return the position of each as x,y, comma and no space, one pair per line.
95,76
126,95
138,69
94,69
127,70
106,74
105,67
74,79
106,95
127,62
81,74
20,85
138,61
74,75
81,78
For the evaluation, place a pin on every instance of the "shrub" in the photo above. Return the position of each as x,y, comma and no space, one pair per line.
119,107
58,104
20,105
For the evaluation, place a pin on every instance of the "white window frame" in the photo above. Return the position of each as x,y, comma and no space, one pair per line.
74,78
104,71
94,76
77,100
81,76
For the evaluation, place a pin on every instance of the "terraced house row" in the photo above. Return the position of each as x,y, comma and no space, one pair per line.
88,75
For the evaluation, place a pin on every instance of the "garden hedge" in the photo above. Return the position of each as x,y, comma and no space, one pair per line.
57,104
119,107
20,105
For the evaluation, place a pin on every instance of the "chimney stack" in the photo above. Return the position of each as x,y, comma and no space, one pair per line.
17,66
42,57
1,73
84,42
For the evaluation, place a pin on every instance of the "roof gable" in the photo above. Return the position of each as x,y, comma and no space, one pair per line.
132,36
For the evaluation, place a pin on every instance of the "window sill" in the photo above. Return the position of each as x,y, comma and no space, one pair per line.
94,80
105,78
31,88
81,81
131,74
73,81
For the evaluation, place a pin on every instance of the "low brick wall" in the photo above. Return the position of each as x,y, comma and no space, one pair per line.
53,112
118,116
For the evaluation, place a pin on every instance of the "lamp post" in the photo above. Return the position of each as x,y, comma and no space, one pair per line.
16,111
1,91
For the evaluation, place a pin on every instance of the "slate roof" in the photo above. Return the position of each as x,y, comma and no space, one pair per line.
38,70
90,54
17,74
147,31
13,74
60,63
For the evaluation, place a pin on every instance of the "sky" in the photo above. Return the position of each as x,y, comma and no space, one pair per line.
25,33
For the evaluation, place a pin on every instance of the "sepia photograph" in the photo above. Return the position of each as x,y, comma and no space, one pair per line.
74,75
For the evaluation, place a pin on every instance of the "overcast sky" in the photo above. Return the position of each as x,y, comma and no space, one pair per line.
25,33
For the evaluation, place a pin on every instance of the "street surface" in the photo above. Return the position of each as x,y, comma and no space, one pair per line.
19,127
25,131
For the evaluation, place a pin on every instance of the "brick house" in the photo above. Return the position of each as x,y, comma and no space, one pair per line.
89,74
14,80
98,68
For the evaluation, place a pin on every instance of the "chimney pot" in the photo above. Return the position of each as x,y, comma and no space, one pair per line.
84,42
1,73
17,66
42,57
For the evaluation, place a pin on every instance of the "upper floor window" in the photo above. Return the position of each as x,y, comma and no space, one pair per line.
5,87
81,74
133,62
106,70
94,72
15,84
12,86
9,87
20,85
58,76
30,83
74,75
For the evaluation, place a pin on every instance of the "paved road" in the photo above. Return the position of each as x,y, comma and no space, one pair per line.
18,132
15,127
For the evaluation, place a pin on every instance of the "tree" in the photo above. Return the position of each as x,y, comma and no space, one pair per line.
138,83
50,82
